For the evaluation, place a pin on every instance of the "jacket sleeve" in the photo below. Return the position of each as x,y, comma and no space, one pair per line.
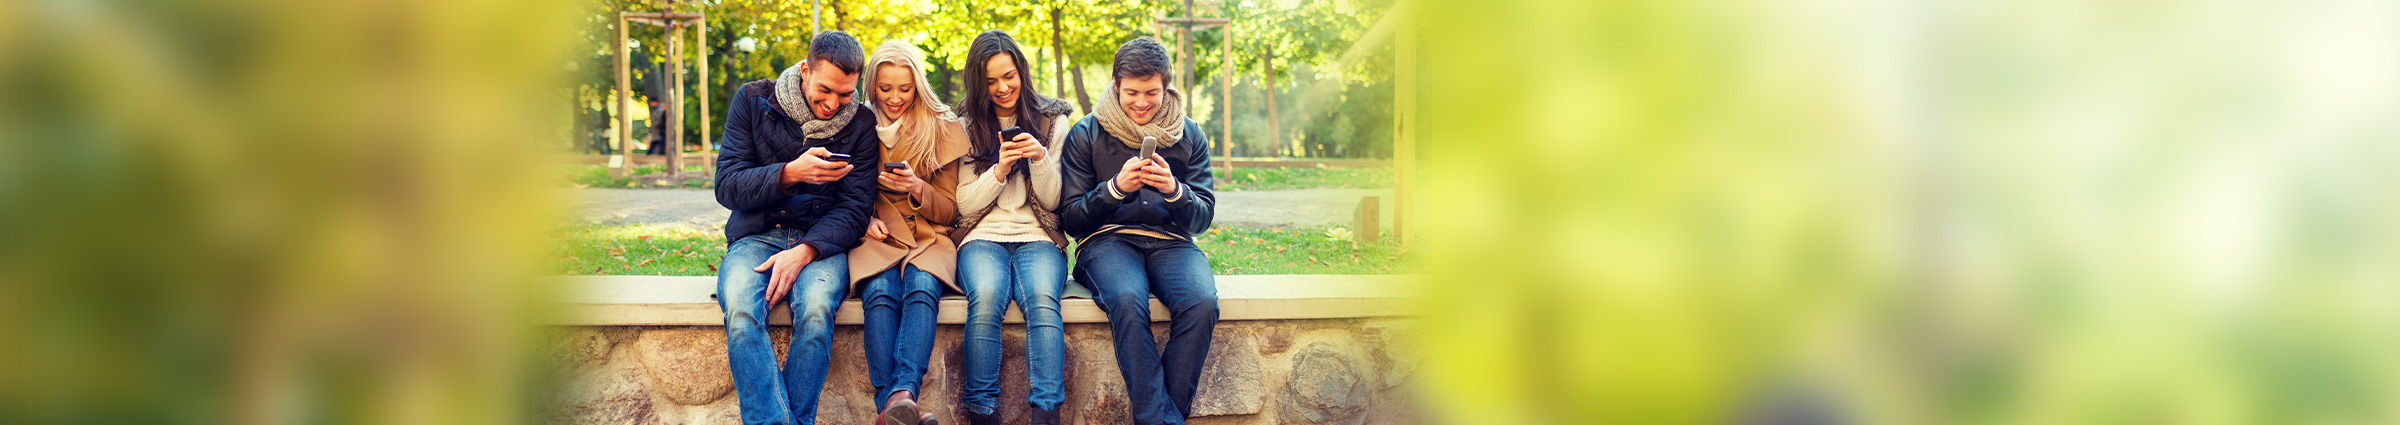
742,182
1194,206
1084,204
937,203
853,197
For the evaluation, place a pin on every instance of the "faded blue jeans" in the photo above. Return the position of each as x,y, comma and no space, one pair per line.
899,304
1032,274
771,395
1124,271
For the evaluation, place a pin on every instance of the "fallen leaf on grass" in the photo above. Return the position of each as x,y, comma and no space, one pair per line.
646,262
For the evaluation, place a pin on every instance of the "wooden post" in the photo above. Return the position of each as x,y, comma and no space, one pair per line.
617,160
1369,217
1185,41
1274,139
708,162
1404,121
673,140
1225,111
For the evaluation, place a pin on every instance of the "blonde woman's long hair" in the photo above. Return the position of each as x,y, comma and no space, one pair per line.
922,124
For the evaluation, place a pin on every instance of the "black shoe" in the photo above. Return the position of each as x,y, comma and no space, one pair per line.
982,418
1045,417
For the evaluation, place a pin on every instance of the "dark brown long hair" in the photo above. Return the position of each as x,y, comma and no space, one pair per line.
983,128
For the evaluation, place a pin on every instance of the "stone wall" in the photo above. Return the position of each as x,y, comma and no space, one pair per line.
1302,371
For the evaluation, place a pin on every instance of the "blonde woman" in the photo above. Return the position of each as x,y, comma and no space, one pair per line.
907,257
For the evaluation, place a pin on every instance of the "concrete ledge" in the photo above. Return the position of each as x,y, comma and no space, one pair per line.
685,300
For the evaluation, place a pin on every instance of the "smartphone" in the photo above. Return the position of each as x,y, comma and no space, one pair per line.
837,157
895,165
1149,147
1008,134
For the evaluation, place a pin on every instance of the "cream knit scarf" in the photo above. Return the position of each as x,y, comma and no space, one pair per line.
790,95
1167,125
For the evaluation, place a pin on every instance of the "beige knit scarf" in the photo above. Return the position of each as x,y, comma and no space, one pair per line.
1167,125
789,94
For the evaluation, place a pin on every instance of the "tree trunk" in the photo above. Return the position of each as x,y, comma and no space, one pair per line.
1084,99
1058,49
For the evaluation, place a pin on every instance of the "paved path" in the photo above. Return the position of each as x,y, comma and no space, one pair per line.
697,208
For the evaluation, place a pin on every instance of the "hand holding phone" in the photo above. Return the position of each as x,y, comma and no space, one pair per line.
816,166
1009,135
897,178
1149,147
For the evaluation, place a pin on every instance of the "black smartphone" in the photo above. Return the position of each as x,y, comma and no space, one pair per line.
1010,133
895,165
837,157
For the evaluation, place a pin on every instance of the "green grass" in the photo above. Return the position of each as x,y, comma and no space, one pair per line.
1314,250
597,249
597,176
1272,178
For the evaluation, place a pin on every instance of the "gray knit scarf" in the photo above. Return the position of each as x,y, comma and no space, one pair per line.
1167,126
790,95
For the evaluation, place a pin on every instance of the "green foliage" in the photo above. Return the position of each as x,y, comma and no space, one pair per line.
1332,69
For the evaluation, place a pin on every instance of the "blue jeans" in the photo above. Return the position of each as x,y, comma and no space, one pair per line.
1032,274
899,304
770,395
1124,271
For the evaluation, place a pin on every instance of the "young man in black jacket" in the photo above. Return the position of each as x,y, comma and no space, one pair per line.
796,209
1136,218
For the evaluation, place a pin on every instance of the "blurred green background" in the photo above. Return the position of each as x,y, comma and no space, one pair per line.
1649,212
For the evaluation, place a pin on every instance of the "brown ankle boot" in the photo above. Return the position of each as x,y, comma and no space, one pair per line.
1044,417
901,409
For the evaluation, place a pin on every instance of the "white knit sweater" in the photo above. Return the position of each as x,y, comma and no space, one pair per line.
1012,219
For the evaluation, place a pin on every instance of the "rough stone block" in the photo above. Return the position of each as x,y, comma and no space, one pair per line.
688,365
1232,382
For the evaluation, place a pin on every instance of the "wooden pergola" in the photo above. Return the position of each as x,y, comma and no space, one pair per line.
1183,65
675,23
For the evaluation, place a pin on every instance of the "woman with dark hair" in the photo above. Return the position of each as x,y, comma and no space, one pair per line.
1010,245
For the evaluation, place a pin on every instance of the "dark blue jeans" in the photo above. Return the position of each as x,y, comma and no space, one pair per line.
899,304
1124,271
770,395
1032,274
